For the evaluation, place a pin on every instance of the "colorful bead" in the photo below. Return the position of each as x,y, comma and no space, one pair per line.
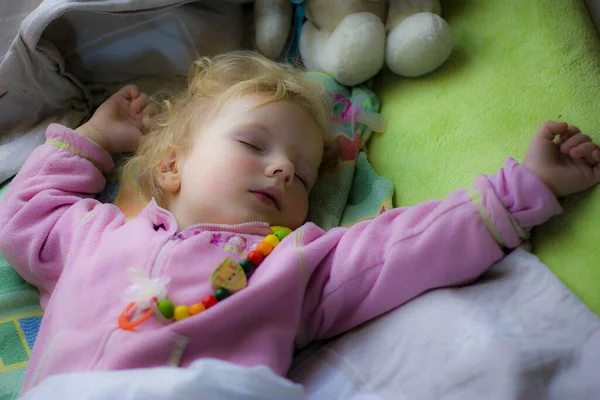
255,257
247,265
281,232
264,248
166,308
209,301
197,308
273,240
181,312
221,294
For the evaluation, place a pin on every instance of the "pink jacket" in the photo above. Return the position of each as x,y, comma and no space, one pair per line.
314,285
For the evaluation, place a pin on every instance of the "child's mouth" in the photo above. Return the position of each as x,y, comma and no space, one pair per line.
266,199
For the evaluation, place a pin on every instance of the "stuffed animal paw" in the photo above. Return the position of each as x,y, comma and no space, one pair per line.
352,39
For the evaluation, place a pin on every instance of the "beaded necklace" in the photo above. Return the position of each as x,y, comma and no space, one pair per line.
228,278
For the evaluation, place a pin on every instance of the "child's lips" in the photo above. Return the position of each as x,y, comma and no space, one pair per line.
266,198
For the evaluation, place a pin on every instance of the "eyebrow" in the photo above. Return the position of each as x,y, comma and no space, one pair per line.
260,126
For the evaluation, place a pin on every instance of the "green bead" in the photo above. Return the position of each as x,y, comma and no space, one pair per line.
282,233
221,294
166,308
247,266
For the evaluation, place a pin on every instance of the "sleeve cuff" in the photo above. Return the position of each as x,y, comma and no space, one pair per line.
515,201
67,139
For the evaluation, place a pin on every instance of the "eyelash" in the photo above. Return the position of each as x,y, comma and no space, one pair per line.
251,146
301,180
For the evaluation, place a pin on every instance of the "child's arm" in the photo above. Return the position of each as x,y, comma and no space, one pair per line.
49,205
380,264
43,210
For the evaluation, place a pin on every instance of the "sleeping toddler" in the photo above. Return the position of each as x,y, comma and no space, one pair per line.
232,159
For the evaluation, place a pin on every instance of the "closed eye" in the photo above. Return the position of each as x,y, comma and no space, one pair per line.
251,146
302,180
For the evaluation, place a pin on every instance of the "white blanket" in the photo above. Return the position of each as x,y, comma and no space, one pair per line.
518,333
206,379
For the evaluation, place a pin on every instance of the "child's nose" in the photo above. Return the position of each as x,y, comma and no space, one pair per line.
283,170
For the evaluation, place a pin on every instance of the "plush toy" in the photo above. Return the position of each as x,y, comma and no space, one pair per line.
351,39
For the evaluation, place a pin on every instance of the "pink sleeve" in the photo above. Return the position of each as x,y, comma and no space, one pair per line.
48,202
380,264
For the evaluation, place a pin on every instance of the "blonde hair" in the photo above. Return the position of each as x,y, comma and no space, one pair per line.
211,84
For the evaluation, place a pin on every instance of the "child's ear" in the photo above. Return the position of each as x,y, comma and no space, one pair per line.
169,175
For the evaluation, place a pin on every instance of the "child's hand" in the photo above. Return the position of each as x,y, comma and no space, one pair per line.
116,125
568,165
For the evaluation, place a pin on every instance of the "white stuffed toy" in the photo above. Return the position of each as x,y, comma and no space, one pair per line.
351,39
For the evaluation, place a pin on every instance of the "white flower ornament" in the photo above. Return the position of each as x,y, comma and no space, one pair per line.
145,290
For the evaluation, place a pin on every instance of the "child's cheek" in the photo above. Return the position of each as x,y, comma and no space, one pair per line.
244,164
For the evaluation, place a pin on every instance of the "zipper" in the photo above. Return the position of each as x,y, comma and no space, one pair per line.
228,226
258,224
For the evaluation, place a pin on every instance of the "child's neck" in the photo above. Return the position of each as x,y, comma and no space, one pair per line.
185,220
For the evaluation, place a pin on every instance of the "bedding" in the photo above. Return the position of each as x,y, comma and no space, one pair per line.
20,317
517,333
515,64
206,378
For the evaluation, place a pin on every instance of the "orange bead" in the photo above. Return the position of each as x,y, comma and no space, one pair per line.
197,308
264,248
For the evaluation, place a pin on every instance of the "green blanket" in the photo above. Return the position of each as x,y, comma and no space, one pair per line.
516,64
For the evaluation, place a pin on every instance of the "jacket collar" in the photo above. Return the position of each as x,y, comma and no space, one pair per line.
163,219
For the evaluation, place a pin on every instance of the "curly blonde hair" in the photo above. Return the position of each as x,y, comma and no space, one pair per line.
212,83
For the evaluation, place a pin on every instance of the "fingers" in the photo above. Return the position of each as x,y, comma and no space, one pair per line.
586,150
550,129
571,131
130,92
139,104
573,142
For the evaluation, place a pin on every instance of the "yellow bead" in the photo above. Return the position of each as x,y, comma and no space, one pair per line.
264,248
181,312
197,308
272,240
